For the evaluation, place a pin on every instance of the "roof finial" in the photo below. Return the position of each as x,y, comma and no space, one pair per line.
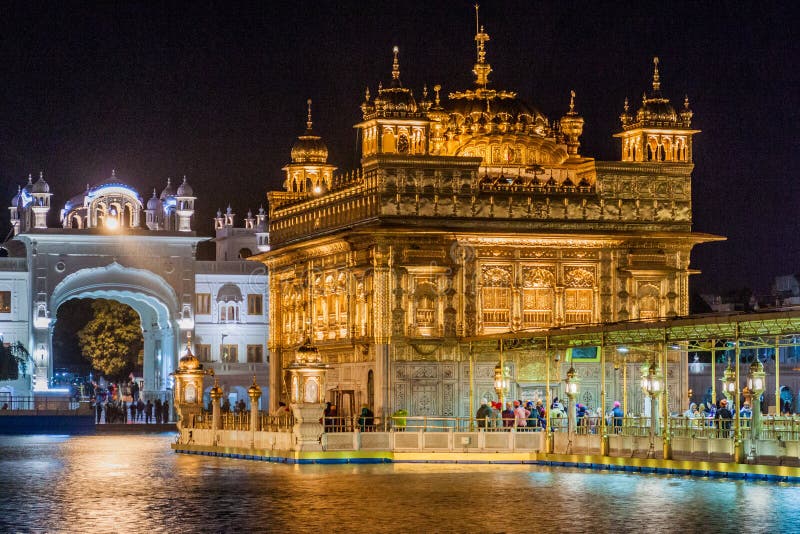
572,101
436,89
154,193
366,95
686,102
482,69
396,66
656,79
627,105
308,123
113,173
41,175
30,178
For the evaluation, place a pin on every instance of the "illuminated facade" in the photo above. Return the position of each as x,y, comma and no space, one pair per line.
114,245
469,216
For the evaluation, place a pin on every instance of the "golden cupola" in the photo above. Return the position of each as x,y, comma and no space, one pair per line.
309,147
657,133
393,122
309,171
494,124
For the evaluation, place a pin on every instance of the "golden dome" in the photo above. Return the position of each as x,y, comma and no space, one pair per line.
309,148
254,390
656,111
189,361
394,101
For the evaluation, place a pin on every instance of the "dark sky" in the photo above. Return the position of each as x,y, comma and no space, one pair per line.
217,91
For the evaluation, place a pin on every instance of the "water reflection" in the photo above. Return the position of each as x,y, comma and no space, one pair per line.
136,484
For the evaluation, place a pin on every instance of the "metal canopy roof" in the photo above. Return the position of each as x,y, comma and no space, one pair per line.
753,330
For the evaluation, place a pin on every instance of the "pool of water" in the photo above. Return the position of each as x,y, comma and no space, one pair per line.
136,483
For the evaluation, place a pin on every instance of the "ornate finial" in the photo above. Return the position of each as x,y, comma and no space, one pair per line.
380,86
229,210
41,175
219,213
261,210
154,193
656,79
308,122
396,66
184,178
627,105
572,102
113,173
249,214
644,97
425,91
482,69
686,102
436,89
30,179
366,95
169,180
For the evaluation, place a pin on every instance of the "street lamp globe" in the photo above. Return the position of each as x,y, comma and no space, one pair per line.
756,378
729,382
571,383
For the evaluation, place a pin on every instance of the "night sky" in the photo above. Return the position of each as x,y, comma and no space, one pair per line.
217,92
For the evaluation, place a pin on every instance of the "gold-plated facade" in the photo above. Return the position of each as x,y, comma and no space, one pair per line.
469,217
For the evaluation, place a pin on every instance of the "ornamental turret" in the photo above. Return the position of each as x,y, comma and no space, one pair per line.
572,128
40,192
657,133
309,172
393,122
184,206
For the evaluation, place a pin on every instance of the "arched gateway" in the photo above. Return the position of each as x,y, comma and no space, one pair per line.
113,244
154,275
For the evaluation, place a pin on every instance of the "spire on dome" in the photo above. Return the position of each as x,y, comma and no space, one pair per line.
396,68
656,77
308,122
482,68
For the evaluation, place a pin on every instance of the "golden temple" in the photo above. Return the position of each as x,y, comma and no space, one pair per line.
473,215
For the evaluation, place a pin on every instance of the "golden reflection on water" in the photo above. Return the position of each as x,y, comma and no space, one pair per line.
91,484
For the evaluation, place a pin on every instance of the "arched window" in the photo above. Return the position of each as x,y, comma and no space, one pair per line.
245,253
496,296
538,294
579,296
649,301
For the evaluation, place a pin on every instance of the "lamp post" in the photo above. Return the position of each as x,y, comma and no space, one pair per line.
756,383
571,384
651,385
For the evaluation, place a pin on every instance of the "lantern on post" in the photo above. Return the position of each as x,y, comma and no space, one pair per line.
756,382
652,385
571,387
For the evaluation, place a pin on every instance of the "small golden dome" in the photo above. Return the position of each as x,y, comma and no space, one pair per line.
309,148
189,362
254,390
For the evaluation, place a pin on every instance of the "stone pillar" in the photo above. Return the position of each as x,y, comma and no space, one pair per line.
254,392
216,414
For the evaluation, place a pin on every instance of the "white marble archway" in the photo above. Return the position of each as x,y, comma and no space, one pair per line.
146,292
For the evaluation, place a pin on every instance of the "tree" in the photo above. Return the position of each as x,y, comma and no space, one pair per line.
12,357
112,339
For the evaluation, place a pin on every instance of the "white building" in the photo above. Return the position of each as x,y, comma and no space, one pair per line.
113,245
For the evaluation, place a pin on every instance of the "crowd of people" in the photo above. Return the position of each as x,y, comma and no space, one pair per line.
137,411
